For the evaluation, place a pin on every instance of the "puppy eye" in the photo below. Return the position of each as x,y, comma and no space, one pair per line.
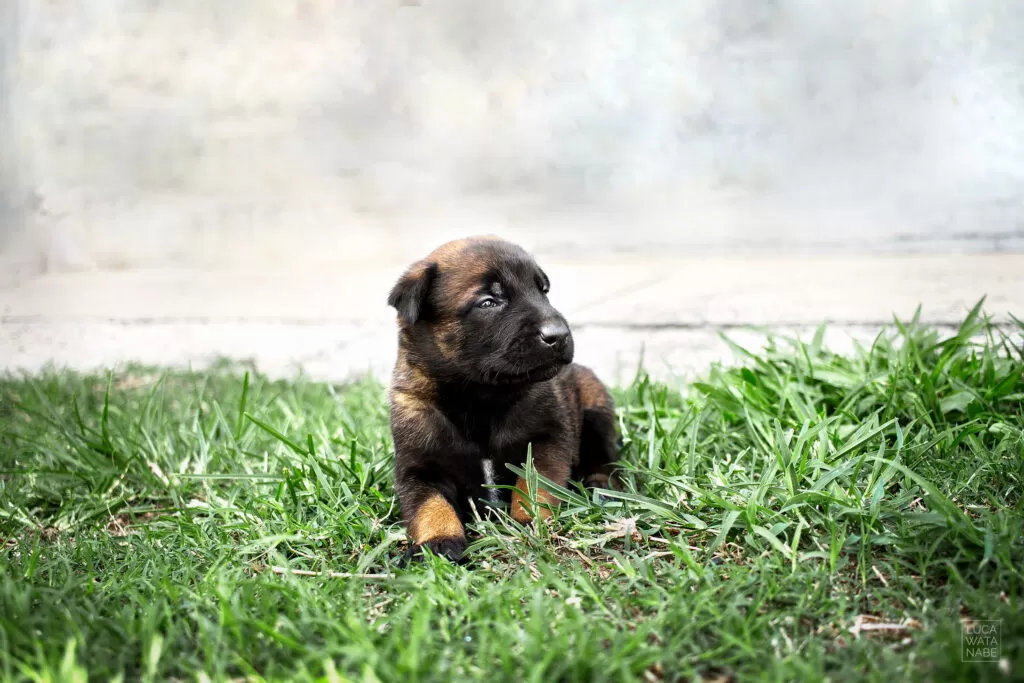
487,303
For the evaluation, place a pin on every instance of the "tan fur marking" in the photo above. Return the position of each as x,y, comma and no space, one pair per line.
519,511
451,351
448,254
407,401
463,275
413,382
592,391
407,417
435,518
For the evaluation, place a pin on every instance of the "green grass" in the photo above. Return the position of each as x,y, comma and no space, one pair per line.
772,508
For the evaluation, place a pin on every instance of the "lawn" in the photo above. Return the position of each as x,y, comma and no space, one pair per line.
795,516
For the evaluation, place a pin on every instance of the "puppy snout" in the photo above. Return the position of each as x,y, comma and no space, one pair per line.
554,334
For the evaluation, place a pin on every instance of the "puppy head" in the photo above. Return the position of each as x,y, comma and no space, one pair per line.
476,310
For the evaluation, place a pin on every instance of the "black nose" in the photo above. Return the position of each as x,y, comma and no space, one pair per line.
554,334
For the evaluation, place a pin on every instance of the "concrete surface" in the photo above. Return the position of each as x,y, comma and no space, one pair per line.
212,133
335,324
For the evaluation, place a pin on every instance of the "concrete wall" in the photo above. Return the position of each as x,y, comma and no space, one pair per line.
142,132
10,159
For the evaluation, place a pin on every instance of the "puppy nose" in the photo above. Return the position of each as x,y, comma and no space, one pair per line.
554,334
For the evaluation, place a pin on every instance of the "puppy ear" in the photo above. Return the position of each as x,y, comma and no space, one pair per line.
409,295
545,281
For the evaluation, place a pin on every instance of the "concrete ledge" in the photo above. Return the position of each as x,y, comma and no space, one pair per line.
337,352
336,326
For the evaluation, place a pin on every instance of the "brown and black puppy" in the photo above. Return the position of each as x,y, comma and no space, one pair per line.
484,370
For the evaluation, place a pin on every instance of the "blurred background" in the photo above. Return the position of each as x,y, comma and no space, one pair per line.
318,136
141,132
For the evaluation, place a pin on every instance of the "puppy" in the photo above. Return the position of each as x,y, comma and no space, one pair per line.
484,371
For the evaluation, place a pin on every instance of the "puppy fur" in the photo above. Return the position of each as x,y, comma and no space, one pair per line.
484,370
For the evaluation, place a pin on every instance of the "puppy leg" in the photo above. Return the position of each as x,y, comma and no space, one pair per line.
426,484
598,450
437,526
432,522
599,436
551,462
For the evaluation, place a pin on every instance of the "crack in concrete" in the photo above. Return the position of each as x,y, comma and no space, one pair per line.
711,325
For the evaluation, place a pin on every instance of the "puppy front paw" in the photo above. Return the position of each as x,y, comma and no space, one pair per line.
452,548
